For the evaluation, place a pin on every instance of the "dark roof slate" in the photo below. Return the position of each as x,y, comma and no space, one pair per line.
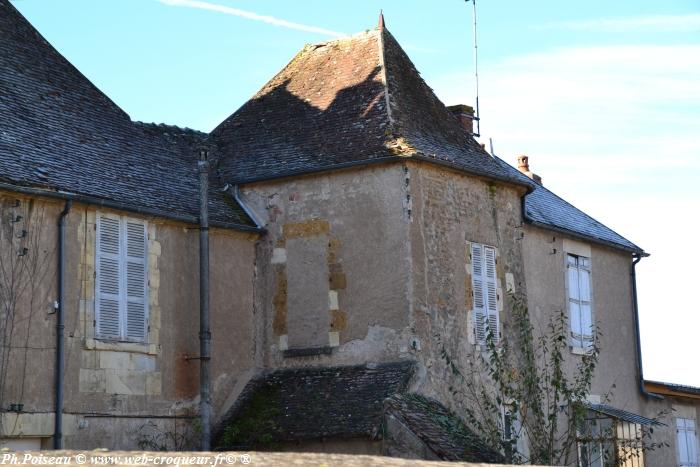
59,132
440,429
546,209
621,414
350,101
313,403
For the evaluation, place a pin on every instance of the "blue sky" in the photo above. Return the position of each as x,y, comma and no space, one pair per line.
603,96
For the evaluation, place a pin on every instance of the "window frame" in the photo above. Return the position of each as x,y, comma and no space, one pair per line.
609,439
123,260
582,343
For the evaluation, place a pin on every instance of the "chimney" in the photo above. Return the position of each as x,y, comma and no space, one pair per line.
524,167
465,115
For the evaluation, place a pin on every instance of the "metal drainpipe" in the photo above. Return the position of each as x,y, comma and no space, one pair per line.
204,332
60,324
633,272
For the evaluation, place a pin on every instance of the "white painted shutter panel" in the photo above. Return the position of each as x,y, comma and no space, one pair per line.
478,286
687,442
108,284
491,291
136,281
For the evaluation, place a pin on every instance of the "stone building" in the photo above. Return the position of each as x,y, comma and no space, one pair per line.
359,234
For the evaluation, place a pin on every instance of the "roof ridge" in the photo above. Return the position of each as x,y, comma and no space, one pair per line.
382,63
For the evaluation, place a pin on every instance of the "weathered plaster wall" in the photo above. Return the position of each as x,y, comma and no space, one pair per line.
611,290
117,393
616,376
360,216
449,211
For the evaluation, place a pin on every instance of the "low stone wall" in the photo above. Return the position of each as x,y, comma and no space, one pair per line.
134,458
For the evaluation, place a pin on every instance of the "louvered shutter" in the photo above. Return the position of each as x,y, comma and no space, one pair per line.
136,291
491,290
478,287
108,283
687,442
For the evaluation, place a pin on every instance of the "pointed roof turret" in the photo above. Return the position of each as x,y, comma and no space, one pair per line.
380,24
344,102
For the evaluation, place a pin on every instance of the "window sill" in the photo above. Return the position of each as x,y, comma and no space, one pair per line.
308,352
580,351
115,346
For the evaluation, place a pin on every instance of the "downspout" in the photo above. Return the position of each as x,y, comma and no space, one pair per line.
60,325
204,331
638,340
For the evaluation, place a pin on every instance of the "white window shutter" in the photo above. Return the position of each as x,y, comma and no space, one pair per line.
108,283
687,442
491,291
478,286
136,280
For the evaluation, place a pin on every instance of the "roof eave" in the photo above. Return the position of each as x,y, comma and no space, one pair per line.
581,236
121,206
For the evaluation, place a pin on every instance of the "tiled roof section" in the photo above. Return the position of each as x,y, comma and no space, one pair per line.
313,403
424,122
350,101
324,109
59,132
441,430
546,209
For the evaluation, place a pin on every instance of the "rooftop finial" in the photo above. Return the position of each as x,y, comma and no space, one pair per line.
380,26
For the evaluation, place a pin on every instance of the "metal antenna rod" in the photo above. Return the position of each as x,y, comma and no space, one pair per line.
476,70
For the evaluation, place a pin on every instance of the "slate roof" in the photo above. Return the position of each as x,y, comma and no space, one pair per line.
312,403
546,209
346,102
59,132
441,430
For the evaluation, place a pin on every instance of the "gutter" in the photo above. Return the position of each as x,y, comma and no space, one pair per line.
106,203
60,325
249,212
638,340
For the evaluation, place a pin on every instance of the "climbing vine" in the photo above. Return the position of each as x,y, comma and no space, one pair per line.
525,400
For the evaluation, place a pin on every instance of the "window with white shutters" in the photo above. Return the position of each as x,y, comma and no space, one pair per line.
687,441
484,290
579,288
121,295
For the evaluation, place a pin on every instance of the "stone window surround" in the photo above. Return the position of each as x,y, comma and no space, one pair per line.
102,369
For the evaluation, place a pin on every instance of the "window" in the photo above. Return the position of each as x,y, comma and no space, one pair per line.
484,290
579,289
121,287
607,441
687,442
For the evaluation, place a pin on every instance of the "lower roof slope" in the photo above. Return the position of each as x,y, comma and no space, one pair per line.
60,133
311,403
440,429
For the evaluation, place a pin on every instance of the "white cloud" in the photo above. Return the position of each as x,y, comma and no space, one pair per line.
250,15
614,130
654,23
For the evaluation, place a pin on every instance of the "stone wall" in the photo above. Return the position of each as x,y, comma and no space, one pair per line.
336,249
117,393
450,210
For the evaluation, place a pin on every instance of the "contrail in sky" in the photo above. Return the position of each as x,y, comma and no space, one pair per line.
250,15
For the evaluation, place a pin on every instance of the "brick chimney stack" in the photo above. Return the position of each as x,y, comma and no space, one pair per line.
465,115
524,167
